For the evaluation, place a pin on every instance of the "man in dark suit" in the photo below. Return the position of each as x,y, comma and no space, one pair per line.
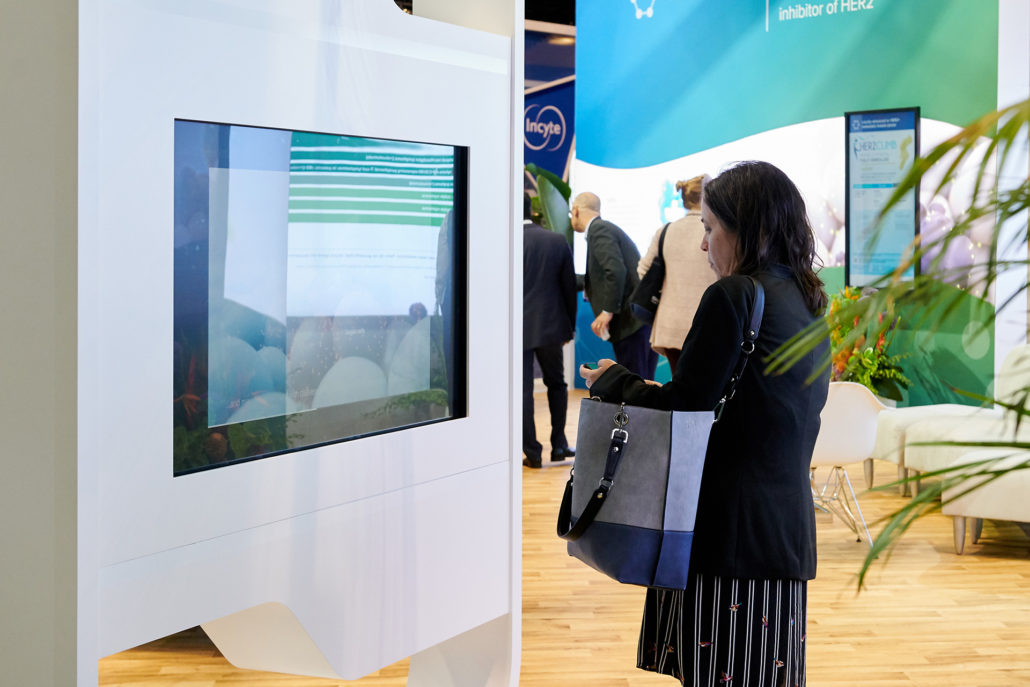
610,278
548,320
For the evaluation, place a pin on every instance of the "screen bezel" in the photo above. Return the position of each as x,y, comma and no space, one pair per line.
459,390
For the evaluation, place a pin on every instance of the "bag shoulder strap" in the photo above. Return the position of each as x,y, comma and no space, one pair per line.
747,344
661,240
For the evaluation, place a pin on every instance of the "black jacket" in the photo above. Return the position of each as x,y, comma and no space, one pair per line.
755,515
611,276
548,288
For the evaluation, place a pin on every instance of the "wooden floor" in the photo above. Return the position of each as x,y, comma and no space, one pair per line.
927,617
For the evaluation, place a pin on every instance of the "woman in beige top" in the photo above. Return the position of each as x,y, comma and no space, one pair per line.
687,274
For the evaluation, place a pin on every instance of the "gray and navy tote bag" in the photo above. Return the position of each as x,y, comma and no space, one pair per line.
630,503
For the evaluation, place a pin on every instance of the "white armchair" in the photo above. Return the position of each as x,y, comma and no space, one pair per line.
892,428
924,451
894,432
1004,498
847,435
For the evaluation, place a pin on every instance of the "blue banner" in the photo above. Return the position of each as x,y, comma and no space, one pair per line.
547,127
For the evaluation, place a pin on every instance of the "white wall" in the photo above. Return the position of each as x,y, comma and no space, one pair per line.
1010,327
37,348
484,16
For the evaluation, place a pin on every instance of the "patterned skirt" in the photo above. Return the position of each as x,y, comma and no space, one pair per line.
725,632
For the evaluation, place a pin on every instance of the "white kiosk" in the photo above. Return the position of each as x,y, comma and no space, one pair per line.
334,559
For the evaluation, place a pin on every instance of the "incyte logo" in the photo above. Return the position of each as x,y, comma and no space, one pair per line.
647,12
543,126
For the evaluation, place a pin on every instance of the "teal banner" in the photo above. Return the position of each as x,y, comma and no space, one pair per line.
661,79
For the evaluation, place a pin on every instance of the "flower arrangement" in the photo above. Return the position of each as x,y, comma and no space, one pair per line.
854,360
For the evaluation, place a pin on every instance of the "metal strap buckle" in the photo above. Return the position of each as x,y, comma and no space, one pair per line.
621,419
719,407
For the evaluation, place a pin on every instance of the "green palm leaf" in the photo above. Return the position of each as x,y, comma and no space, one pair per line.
990,143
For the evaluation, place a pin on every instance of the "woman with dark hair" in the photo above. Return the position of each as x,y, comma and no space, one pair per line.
741,619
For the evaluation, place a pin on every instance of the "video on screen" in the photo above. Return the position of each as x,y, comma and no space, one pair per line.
319,289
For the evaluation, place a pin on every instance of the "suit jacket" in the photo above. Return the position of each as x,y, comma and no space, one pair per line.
755,516
548,288
611,276
687,275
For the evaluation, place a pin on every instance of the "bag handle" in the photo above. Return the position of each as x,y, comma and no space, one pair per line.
570,532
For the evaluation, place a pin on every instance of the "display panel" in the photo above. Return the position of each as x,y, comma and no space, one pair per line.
882,146
319,289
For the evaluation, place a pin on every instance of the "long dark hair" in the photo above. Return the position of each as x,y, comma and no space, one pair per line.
762,206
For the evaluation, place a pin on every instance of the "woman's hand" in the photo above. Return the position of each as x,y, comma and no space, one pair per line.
591,374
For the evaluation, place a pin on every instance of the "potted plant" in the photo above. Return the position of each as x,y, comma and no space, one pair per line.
862,354
551,203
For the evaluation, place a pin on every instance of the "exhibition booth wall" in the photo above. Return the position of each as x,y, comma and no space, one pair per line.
269,250
687,88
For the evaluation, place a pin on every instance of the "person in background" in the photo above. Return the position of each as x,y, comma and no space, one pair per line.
610,278
548,322
687,274
742,616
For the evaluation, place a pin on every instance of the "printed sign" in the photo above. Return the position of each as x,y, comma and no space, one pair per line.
881,148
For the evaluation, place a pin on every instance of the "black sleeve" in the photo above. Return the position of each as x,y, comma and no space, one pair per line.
606,284
567,280
710,354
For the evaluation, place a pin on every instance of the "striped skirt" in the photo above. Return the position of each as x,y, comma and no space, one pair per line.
725,632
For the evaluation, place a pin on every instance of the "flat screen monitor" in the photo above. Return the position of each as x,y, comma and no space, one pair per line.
319,289
882,146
